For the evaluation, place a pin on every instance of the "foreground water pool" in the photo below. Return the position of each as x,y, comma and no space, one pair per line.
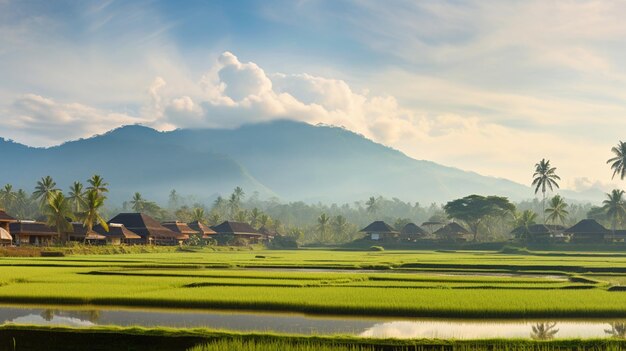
305,324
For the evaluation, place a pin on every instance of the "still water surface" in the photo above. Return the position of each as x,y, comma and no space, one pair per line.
305,324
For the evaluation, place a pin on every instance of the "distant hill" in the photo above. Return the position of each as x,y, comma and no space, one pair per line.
290,160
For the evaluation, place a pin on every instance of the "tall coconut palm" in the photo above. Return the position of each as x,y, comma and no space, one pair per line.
97,184
545,178
614,207
255,215
21,205
45,190
323,222
93,205
557,210
233,205
239,194
372,205
340,227
618,163
7,197
198,215
138,203
77,197
57,212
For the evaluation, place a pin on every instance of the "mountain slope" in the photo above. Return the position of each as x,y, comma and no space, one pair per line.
291,160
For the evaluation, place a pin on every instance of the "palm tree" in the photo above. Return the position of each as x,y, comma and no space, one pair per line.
241,216
233,205
97,184
57,211
264,220
545,177
77,196
340,227
525,219
214,218
544,331
21,204
7,197
93,203
138,203
372,205
618,163
255,215
45,190
615,207
322,226
198,214
239,194
557,210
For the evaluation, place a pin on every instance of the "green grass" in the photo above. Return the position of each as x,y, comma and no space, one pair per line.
413,284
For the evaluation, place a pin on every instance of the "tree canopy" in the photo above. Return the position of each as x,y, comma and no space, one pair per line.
474,209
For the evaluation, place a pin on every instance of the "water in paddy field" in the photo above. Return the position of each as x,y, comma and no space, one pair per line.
304,324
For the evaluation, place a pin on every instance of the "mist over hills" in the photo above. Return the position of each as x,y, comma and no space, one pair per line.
290,160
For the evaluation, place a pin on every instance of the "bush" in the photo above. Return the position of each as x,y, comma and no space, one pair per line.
377,248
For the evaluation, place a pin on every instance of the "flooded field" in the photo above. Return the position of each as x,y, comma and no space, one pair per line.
304,324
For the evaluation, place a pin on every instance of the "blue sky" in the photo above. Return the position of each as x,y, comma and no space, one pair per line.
490,86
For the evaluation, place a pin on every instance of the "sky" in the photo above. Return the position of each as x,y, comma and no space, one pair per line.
490,86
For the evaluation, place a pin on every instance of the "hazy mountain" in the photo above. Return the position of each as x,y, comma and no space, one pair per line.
290,160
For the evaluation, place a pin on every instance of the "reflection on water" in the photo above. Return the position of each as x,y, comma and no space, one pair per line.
544,331
302,324
618,330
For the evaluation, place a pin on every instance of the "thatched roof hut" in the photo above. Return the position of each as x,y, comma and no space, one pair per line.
204,230
117,234
379,230
81,233
452,231
31,232
588,230
412,229
148,228
237,230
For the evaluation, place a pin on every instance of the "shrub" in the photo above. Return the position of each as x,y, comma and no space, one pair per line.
377,248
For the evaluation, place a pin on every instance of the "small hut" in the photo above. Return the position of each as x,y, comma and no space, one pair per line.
5,223
452,232
412,232
268,234
149,229
588,231
83,235
432,226
118,234
380,231
204,230
237,230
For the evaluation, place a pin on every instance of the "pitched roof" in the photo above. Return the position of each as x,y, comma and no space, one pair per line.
4,217
413,229
145,226
116,230
538,229
201,228
4,235
180,227
81,231
452,228
228,227
31,228
587,226
433,223
379,227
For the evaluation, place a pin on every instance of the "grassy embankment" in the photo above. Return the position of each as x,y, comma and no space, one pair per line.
407,283
34,338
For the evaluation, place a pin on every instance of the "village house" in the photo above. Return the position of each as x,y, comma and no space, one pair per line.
237,230
588,231
33,233
181,228
452,232
204,230
412,232
149,229
5,228
118,234
380,231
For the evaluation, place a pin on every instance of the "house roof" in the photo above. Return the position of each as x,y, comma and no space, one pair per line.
538,229
145,226
452,228
4,217
413,229
31,228
587,226
201,228
379,227
4,235
81,231
267,231
432,223
235,228
116,230
180,227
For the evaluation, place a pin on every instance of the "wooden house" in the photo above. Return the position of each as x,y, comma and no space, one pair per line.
81,234
33,233
181,228
238,230
540,233
588,231
452,232
412,232
380,231
148,228
118,234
